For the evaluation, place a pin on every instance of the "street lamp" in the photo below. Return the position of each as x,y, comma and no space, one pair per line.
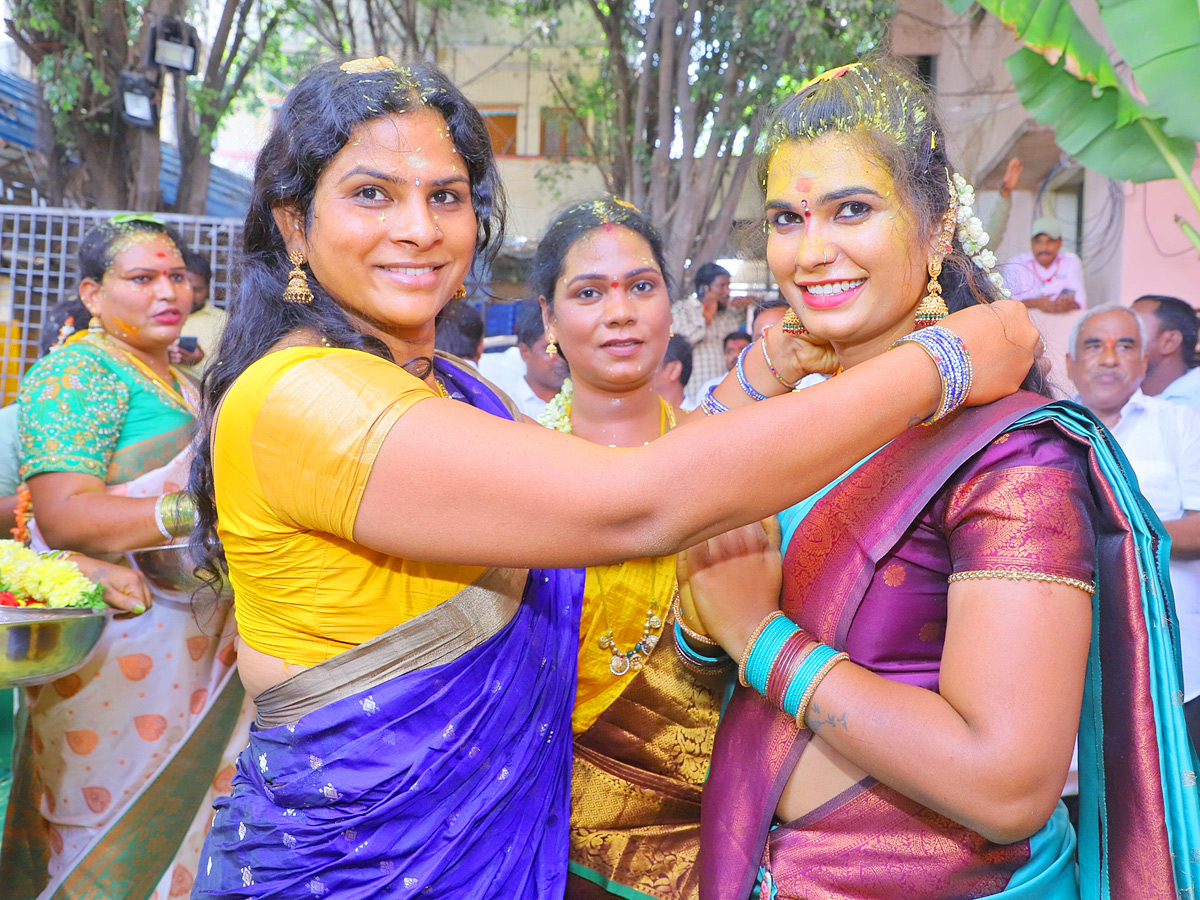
174,44
138,94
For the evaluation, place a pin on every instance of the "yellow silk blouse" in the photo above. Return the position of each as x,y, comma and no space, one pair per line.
295,441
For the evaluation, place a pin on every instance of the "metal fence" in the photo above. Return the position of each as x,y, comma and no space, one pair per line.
38,249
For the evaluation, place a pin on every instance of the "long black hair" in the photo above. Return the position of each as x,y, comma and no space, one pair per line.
315,122
890,109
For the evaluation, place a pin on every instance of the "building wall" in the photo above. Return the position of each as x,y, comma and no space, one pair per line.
1156,257
505,68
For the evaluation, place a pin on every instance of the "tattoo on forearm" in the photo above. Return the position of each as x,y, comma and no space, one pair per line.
818,719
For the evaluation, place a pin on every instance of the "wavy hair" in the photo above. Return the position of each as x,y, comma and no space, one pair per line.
314,123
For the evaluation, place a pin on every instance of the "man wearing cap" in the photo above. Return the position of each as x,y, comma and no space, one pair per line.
1049,280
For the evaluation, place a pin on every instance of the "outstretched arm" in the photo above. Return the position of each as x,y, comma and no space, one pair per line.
444,463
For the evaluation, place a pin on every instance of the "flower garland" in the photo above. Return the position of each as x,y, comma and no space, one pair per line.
557,414
35,579
971,235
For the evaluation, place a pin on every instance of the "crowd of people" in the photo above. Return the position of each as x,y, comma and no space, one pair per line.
489,642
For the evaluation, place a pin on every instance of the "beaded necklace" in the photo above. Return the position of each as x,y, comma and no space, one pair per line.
558,417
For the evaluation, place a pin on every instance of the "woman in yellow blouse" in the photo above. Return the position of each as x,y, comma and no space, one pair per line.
413,690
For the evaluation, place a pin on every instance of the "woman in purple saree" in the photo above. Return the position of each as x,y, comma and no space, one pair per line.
376,508
984,578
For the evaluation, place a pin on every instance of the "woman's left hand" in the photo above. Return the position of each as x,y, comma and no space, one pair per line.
730,583
124,588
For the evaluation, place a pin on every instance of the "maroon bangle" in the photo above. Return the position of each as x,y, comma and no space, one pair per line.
798,645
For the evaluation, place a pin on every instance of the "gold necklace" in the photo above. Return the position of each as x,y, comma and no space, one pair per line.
622,661
441,387
173,393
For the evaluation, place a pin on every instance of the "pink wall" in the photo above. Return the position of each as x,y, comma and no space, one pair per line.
1156,256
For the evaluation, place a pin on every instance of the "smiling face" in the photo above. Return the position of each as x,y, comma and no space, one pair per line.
1107,363
611,313
392,231
843,245
144,296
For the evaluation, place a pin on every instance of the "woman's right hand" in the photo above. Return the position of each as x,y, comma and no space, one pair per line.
124,588
1003,344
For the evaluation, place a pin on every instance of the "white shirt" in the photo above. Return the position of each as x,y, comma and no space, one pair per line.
1184,389
503,368
529,403
1162,441
1027,278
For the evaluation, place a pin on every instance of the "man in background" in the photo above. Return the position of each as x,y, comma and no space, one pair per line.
1049,280
459,331
1172,367
704,320
201,334
735,342
1162,441
673,375
544,374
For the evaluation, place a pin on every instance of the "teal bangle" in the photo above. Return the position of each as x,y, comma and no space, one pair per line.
691,655
766,650
816,658
767,620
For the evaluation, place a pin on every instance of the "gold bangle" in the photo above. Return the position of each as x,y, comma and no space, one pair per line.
1022,575
178,513
695,637
806,698
771,617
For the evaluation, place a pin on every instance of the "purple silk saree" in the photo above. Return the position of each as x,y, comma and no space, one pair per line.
448,780
871,842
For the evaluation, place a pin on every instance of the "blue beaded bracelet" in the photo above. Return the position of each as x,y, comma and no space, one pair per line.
710,405
953,363
766,650
740,369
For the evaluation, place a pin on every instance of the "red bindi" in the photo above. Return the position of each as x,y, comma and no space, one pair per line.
615,284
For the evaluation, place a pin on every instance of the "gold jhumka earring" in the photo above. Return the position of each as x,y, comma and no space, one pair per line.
298,290
932,308
461,293
551,346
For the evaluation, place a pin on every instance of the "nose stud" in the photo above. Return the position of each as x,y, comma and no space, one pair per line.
824,257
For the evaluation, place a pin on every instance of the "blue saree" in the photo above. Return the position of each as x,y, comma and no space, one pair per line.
427,764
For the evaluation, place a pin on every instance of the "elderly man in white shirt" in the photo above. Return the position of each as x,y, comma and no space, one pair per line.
1107,362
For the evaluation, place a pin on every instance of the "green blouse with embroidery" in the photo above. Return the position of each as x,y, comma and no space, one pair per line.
86,409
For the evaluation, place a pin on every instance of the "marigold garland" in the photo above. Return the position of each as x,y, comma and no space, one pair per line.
50,579
22,514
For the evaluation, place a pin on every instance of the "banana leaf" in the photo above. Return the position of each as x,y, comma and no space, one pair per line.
1063,76
1088,123
1160,40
